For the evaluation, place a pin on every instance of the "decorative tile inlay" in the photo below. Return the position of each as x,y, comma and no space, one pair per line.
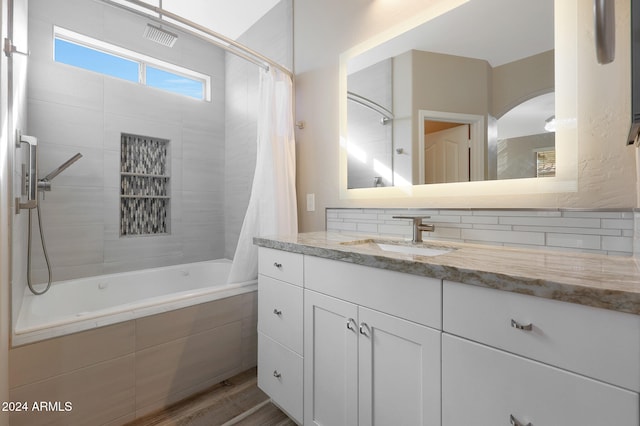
144,185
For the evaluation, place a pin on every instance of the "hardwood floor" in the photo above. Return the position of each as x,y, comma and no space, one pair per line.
236,401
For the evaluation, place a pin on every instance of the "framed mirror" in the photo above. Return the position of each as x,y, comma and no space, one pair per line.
468,95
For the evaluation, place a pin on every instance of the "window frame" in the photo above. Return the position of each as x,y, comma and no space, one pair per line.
141,59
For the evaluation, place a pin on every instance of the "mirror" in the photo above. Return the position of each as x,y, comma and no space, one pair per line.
464,96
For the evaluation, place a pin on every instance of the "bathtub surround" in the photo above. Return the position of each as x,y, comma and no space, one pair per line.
606,231
74,110
131,369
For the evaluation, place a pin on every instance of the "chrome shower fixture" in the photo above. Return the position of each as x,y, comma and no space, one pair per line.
44,184
160,35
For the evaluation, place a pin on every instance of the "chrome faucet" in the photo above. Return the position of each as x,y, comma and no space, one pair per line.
418,226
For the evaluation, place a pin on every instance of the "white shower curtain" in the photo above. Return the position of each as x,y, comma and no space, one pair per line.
272,206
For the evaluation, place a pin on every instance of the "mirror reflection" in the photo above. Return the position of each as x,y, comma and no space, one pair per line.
467,96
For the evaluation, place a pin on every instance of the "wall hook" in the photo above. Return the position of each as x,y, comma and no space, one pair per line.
300,124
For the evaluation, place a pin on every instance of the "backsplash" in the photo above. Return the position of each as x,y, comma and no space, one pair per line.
592,231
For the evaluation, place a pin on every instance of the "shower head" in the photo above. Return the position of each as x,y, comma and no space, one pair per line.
62,167
160,35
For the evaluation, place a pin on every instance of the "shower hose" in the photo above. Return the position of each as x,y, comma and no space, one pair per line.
44,249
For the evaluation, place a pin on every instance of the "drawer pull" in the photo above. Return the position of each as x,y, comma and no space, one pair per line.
276,374
277,265
364,329
278,312
351,323
515,422
525,327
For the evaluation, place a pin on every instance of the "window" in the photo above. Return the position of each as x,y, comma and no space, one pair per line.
94,55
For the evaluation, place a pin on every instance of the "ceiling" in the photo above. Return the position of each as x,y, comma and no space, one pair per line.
498,31
229,18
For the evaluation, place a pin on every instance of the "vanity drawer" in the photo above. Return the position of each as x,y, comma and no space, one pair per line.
281,265
280,312
594,342
412,297
486,386
280,376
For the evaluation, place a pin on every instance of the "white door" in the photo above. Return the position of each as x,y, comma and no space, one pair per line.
446,155
330,361
399,366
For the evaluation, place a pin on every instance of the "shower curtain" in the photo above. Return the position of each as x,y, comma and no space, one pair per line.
272,206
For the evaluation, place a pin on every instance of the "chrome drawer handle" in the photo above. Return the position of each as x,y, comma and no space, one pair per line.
364,329
276,374
525,327
514,422
351,323
277,265
278,312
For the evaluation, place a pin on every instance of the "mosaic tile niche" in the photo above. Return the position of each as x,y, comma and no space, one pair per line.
144,186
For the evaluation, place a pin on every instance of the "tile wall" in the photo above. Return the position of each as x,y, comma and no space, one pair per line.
608,232
73,110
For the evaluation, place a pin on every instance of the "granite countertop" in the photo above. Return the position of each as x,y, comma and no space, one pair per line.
608,282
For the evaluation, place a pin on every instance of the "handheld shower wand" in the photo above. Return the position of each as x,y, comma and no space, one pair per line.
44,184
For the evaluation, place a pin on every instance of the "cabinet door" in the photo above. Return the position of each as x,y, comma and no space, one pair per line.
399,366
485,386
330,361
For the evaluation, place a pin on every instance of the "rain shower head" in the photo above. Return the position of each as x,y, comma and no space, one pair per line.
160,35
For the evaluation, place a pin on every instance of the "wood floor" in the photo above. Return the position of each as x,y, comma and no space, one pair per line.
236,401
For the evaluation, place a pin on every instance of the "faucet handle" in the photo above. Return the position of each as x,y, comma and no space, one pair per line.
411,217
417,219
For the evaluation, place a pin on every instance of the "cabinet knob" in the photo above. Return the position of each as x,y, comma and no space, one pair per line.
364,329
277,265
278,312
525,327
515,422
276,374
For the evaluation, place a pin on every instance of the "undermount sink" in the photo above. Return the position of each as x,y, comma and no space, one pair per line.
420,250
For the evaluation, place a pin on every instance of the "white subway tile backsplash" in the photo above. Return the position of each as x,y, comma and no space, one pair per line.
602,232
574,241
551,221
515,237
620,244
617,223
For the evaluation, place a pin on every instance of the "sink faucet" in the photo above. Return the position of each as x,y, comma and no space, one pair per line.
418,226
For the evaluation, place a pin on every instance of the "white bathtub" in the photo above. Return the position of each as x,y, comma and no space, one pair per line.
81,304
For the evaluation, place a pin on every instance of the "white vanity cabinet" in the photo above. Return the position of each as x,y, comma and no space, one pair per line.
515,359
280,319
363,366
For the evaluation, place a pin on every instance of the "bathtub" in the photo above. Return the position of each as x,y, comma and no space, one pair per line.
82,304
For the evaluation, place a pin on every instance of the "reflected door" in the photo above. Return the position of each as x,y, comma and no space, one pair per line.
446,155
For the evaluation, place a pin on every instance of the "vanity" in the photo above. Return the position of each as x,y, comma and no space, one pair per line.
357,330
